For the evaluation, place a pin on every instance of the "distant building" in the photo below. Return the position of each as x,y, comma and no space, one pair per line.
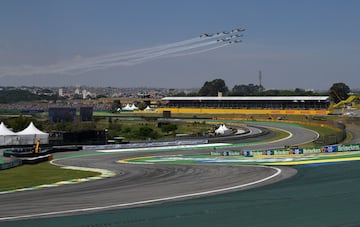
84,94
61,92
62,114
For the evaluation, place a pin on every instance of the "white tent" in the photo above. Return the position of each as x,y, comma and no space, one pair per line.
127,108
148,108
7,137
133,107
31,134
5,131
225,128
222,130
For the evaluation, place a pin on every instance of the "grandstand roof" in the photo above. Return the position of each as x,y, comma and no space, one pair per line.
248,98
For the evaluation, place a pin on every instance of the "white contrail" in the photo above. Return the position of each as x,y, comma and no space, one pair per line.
151,56
153,53
198,51
139,52
170,51
126,58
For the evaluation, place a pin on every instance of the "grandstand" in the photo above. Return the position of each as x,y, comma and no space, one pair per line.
248,104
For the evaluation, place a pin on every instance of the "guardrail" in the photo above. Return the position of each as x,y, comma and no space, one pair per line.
11,164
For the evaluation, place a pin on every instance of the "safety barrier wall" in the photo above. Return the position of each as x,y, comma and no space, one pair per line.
340,148
226,153
11,164
291,151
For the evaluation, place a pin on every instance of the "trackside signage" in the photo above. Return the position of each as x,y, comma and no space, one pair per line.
314,150
311,150
350,147
328,149
226,153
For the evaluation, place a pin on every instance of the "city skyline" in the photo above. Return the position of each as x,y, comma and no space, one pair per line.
307,44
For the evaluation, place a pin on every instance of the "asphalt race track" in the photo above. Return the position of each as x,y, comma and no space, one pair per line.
138,185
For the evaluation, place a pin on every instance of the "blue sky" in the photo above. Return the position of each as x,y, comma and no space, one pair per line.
296,44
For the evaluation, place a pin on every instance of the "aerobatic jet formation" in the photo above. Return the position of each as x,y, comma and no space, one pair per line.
228,37
206,42
236,30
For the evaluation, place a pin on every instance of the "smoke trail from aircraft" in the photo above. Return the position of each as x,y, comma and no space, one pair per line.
146,53
199,51
168,52
126,58
150,56
140,52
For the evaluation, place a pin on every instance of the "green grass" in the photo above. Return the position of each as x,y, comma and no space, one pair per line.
45,173
34,175
279,134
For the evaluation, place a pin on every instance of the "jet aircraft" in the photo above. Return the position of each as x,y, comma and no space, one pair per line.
223,40
235,41
238,30
236,36
205,35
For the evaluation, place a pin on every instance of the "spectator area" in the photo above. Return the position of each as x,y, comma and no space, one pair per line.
248,105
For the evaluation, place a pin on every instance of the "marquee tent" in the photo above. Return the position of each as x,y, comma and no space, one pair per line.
129,107
133,107
222,130
7,137
31,134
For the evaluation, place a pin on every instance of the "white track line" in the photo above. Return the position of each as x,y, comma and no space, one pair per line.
121,205
163,148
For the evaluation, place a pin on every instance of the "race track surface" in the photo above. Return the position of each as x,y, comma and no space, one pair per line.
136,183
133,183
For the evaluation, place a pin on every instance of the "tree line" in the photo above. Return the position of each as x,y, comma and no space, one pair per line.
18,95
337,92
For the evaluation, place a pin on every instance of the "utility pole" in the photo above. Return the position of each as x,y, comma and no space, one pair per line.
260,82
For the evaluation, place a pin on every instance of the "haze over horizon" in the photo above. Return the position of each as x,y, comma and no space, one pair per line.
296,44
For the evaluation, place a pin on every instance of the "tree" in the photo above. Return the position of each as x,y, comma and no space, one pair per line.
167,128
246,90
141,105
116,104
338,92
145,132
211,88
21,122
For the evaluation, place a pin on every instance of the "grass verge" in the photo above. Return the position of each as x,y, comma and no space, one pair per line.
33,175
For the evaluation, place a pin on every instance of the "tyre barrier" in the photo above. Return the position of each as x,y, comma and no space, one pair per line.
26,160
38,159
